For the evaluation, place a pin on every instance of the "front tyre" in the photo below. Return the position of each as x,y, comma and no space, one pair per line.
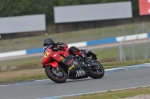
58,77
98,71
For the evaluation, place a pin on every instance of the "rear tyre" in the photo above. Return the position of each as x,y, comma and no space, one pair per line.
58,77
97,72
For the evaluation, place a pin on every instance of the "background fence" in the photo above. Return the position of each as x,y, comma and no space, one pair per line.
136,50
124,51
71,37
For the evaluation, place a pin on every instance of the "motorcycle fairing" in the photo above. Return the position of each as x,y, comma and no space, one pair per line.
52,58
53,64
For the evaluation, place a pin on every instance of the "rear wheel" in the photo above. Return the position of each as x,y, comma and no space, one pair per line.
55,75
97,71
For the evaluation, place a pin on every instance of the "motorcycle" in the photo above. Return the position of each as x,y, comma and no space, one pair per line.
61,65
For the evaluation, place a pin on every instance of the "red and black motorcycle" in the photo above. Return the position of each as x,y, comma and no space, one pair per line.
62,65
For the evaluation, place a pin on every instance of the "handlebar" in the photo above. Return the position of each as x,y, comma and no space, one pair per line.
58,48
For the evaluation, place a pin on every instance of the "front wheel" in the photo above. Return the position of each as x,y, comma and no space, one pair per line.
56,76
98,71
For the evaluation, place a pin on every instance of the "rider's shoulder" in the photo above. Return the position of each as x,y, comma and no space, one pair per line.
47,47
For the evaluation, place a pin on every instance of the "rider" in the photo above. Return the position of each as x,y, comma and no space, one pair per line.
49,43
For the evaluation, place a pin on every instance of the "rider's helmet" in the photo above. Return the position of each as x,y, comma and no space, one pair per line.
48,41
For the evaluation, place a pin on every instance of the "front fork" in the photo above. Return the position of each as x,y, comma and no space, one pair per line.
57,69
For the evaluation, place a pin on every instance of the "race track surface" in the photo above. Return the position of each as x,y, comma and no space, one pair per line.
46,88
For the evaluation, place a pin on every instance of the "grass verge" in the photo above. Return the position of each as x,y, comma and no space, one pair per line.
114,94
22,75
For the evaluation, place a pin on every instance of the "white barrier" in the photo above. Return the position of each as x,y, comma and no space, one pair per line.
80,44
132,37
13,53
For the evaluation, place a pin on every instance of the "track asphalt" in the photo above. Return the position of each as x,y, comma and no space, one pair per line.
114,79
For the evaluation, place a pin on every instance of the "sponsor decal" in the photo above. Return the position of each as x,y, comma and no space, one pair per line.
144,7
71,67
61,58
46,54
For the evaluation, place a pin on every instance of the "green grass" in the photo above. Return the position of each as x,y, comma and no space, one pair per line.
70,37
114,94
107,53
21,61
23,78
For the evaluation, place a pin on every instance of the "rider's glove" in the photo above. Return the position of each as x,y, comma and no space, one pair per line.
60,47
